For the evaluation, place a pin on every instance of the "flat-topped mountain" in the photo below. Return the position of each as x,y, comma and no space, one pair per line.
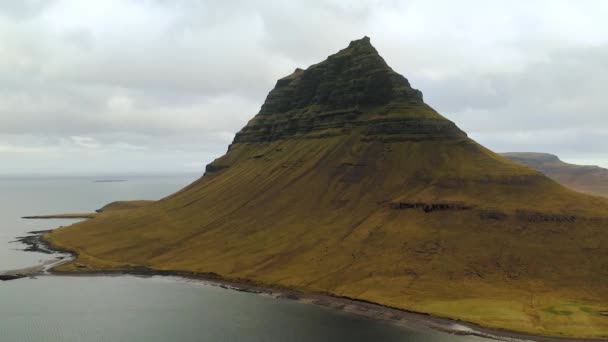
347,183
584,178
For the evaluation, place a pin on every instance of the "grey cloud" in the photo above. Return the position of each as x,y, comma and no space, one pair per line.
158,84
566,91
22,9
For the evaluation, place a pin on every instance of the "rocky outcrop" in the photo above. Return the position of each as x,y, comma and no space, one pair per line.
430,207
7,277
492,214
213,168
353,90
354,77
533,216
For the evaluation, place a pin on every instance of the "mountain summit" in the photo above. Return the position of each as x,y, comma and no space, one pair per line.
356,77
347,183
351,89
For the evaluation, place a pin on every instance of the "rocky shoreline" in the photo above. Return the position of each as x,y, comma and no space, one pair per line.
358,307
35,243
353,306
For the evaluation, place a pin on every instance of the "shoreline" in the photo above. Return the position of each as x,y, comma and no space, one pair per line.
358,307
33,243
362,308
61,216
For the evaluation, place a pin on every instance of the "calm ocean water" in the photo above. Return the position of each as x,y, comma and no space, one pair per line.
126,308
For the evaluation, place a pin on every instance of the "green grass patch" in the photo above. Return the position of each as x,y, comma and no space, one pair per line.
552,310
588,310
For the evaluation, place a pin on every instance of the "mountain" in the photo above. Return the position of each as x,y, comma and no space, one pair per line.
347,183
584,178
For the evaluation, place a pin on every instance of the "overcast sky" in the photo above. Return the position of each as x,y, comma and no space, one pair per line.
162,86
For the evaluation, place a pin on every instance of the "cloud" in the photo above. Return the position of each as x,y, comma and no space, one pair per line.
23,9
86,142
164,85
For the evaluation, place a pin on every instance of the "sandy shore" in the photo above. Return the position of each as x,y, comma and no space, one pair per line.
353,306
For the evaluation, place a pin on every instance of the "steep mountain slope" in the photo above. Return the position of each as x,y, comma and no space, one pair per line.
584,178
346,182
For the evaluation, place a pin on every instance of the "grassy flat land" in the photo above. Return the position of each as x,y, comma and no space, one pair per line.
114,206
384,201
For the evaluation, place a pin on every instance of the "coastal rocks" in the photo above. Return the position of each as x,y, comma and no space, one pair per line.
34,242
7,277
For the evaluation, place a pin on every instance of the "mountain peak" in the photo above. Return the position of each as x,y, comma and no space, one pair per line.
350,88
356,76
363,42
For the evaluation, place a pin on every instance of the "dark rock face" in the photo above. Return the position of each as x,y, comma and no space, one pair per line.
212,168
492,214
351,91
7,277
532,216
355,76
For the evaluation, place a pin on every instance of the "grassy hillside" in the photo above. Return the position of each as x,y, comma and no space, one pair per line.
336,188
584,178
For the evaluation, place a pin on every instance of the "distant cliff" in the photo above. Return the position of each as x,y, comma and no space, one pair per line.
584,178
